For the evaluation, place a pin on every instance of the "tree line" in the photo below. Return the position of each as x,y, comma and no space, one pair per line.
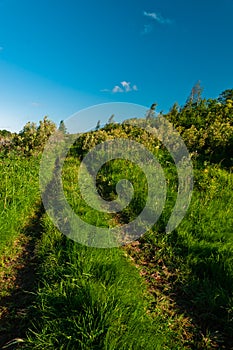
206,126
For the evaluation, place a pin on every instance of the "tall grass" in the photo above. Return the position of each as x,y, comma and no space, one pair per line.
19,191
199,256
92,298
205,238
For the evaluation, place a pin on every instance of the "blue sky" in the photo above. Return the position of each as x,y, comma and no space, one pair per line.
57,57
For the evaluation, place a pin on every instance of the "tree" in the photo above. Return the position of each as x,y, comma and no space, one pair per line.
62,127
195,94
207,128
26,139
32,139
151,113
226,95
111,119
97,126
45,129
5,133
174,113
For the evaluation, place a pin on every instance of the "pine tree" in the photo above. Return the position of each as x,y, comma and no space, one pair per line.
97,125
151,113
111,119
62,127
195,94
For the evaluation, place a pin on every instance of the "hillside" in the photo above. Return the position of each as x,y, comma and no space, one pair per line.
162,290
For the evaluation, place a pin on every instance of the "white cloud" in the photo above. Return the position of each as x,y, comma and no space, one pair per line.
124,86
117,89
157,17
150,14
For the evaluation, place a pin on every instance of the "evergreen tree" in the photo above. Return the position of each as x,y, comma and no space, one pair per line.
226,95
151,113
195,94
97,126
111,119
62,127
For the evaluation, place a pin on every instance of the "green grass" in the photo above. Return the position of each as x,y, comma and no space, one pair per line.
165,291
206,234
198,257
92,298
19,191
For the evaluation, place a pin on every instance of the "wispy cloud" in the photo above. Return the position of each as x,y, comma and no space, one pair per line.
157,17
150,14
123,87
116,89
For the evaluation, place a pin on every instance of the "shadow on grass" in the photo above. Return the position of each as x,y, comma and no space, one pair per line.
17,304
197,280
206,293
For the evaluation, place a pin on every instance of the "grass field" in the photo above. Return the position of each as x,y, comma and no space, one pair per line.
163,291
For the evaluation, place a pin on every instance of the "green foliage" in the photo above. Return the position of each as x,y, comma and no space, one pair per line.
31,140
206,127
226,95
5,133
111,131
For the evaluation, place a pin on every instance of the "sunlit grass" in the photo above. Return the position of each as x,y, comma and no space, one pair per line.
91,298
19,191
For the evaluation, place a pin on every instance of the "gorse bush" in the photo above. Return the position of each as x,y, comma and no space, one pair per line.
206,127
29,141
